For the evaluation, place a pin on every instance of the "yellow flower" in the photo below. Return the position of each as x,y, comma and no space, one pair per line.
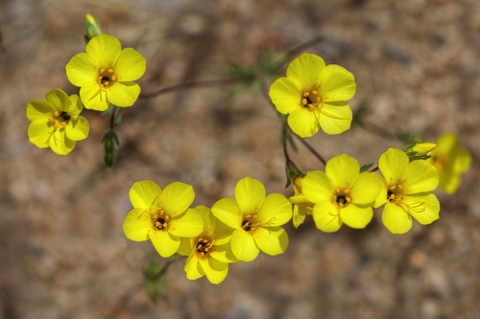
451,161
56,122
301,207
106,73
162,216
407,192
342,194
314,96
209,253
256,219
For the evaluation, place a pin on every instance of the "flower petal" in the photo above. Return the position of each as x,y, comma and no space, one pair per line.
228,212
303,122
285,96
137,224
306,71
74,107
215,271
39,133
104,49
326,217
165,244
271,240
424,208
78,129
250,194
38,109
93,97
243,245
276,210
421,176
338,84
123,93
367,188
58,99
335,117
192,267
316,187
143,194
223,253
60,144
396,219
189,224
81,69
177,198
393,164
356,216
130,65
342,171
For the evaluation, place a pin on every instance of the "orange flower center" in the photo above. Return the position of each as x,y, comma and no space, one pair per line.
106,77
160,220
250,222
60,119
203,247
310,99
342,197
395,193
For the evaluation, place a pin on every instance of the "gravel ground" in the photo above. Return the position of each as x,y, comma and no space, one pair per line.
63,253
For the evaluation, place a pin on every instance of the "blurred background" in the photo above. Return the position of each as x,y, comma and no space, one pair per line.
62,250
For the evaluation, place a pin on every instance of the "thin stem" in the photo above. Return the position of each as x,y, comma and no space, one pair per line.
189,85
377,130
311,149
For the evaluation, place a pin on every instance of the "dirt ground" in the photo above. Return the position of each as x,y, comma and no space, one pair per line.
63,253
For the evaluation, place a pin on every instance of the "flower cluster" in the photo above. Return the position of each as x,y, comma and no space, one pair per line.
232,230
105,74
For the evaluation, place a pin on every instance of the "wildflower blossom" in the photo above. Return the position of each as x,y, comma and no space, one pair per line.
163,216
256,219
408,191
208,253
106,73
314,95
451,161
56,122
341,194
301,207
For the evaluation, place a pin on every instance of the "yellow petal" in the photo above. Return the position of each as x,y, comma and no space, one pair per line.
57,99
93,97
74,107
306,71
165,244
342,171
104,50
396,219
367,188
192,267
303,122
421,176
316,187
223,253
130,65
189,224
228,212
285,96
215,270
39,133
393,164
39,109
326,217
176,198
81,69
356,216
143,194
123,93
186,246
276,210
424,208
243,245
338,84
250,194
271,240
60,144
78,129
137,224
335,117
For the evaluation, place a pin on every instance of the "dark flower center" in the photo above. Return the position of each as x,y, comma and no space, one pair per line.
106,77
203,246
342,197
160,220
